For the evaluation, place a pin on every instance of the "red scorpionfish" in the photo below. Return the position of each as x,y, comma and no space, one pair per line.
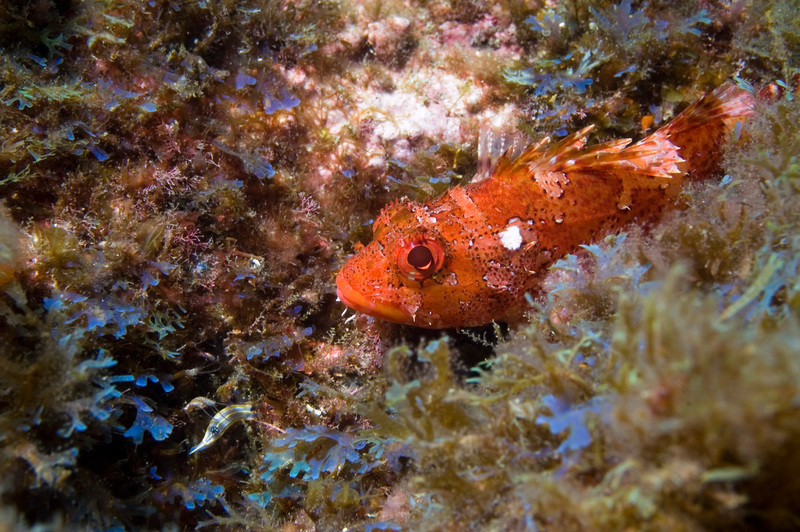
469,256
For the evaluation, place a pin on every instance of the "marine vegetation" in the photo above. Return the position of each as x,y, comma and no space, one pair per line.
180,183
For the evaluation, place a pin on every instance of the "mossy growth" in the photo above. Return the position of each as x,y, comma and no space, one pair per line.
181,181
614,63
642,396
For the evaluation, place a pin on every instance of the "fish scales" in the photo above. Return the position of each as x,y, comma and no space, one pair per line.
469,256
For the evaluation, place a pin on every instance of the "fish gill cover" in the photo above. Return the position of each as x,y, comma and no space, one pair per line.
180,183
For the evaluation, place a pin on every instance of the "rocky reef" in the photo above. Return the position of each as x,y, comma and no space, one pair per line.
180,182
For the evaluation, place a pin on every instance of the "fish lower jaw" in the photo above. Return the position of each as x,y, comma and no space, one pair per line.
356,301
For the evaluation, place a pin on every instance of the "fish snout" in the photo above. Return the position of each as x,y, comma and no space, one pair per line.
361,303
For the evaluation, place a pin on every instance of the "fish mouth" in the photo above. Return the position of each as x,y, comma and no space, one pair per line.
356,301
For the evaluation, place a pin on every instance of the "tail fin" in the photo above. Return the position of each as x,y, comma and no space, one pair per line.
701,130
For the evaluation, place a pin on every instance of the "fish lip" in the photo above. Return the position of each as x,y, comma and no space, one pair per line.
356,301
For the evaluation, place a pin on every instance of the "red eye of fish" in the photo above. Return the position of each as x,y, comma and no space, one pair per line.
420,259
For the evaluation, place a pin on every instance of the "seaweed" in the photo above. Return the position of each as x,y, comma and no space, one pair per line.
180,182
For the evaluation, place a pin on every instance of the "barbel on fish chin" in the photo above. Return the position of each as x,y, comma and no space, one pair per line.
470,255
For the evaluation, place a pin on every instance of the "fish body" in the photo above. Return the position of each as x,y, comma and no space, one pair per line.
469,256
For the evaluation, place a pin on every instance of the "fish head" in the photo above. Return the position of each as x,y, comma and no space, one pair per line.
425,268
407,273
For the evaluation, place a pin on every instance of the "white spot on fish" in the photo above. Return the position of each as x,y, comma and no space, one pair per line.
511,238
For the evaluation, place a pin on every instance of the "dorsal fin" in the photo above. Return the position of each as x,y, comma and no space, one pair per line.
498,138
689,144
652,162
544,156
723,107
703,127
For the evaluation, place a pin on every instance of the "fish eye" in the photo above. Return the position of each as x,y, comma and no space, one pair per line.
420,258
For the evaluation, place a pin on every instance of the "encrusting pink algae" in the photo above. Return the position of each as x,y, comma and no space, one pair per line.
181,183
